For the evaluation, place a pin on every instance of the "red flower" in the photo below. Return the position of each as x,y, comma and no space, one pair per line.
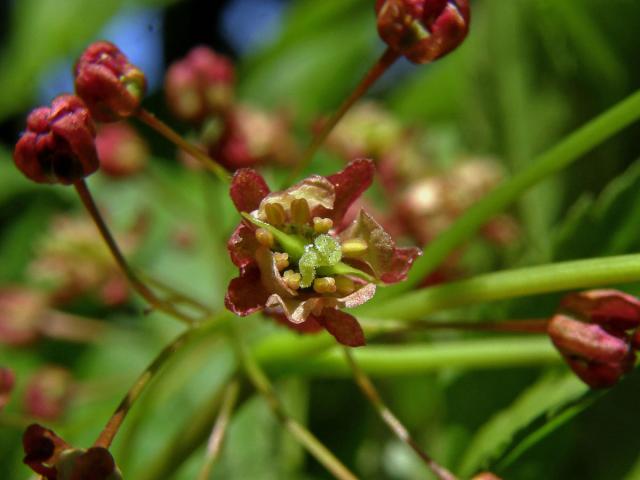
297,260
58,145
199,85
54,459
423,30
109,84
595,335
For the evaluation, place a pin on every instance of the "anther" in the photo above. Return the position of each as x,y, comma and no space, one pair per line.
282,260
292,279
265,238
324,285
344,285
322,225
276,215
300,213
354,247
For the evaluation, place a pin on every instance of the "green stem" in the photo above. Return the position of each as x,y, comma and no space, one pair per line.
136,283
219,429
387,59
556,277
417,359
174,137
394,424
115,422
262,384
563,154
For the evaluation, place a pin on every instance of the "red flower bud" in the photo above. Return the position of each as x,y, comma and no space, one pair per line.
109,84
199,85
58,145
423,30
596,335
121,150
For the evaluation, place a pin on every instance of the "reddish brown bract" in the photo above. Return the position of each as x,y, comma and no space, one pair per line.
423,30
330,268
109,84
58,145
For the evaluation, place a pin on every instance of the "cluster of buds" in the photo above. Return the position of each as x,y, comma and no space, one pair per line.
73,260
52,458
48,392
58,145
298,259
597,332
423,30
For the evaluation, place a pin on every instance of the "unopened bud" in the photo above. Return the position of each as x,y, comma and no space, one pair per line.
423,30
110,85
59,143
121,150
48,393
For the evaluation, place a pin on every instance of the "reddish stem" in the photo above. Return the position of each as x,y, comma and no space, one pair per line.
384,62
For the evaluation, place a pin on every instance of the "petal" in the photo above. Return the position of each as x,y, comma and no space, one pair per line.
42,447
310,325
242,246
248,188
245,294
401,262
387,262
344,327
349,184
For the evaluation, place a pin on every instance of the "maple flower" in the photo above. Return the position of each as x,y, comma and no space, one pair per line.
594,332
52,458
423,30
297,258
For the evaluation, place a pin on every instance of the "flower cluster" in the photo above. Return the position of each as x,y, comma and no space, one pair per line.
598,332
297,258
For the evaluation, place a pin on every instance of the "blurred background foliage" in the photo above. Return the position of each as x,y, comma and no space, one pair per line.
530,72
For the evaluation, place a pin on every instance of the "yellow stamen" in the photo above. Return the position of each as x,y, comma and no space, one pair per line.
324,285
354,247
265,238
276,215
322,225
300,213
282,260
292,279
345,285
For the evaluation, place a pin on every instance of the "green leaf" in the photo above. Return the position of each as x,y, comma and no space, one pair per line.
537,411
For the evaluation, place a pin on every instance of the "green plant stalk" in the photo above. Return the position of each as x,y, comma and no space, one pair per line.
536,280
563,154
216,438
388,417
413,359
262,384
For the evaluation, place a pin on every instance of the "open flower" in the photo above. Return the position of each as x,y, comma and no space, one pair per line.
299,261
595,333
54,459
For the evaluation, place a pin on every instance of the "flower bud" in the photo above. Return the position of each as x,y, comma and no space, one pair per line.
423,30
58,145
121,150
599,357
48,392
110,85
199,85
